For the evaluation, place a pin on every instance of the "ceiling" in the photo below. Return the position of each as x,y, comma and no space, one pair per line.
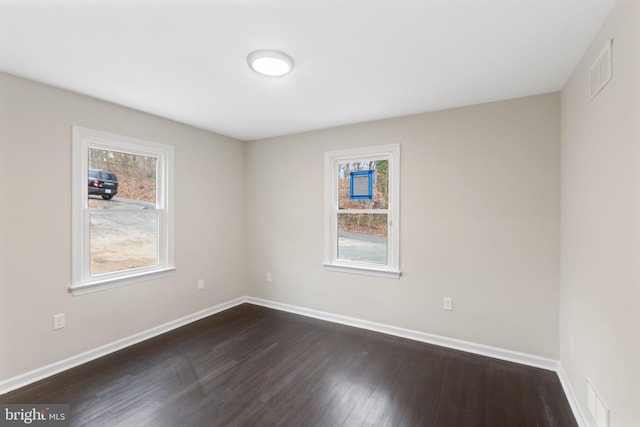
356,60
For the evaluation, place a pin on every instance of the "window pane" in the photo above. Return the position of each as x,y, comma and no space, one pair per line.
121,240
362,237
380,188
131,177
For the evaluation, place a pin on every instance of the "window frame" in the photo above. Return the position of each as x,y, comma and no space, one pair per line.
391,153
84,139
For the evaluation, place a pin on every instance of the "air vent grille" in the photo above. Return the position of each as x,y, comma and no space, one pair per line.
601,71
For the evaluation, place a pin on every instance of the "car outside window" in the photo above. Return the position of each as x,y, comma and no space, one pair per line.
122,213
102,183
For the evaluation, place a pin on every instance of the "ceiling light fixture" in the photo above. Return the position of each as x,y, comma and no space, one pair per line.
270,63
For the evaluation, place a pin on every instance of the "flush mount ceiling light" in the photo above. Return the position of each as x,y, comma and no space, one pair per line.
270,62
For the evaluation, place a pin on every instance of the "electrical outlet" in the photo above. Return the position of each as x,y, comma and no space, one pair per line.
59,321
269,277
201,284
447,304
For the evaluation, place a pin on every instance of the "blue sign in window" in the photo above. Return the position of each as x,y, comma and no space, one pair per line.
361,185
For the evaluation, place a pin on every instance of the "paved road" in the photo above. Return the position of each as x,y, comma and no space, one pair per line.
123,234
121,240
118,203
362,247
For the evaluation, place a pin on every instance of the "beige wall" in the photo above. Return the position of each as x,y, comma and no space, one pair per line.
479,209
600,280
35,227
480,223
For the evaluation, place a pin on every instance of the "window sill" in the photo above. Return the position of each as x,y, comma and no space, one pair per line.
391,274
114,282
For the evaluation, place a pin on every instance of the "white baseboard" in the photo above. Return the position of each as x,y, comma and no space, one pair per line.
73,361
484,350
578,413
470,347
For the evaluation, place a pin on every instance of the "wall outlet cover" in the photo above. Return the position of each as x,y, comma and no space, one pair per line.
59,321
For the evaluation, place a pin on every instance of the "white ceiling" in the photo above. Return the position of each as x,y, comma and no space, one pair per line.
356,60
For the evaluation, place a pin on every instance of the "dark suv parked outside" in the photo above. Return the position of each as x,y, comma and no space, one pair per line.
103,183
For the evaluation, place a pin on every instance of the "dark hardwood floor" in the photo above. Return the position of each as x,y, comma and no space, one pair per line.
253,366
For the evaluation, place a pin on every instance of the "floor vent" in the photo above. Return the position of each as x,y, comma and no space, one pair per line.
601,71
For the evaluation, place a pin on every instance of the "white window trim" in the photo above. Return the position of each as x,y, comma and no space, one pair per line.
83,139
331,261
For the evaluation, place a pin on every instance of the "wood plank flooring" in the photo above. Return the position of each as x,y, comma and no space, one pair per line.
253,366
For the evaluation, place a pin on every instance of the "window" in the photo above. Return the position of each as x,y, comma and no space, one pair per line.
362,203
122,213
